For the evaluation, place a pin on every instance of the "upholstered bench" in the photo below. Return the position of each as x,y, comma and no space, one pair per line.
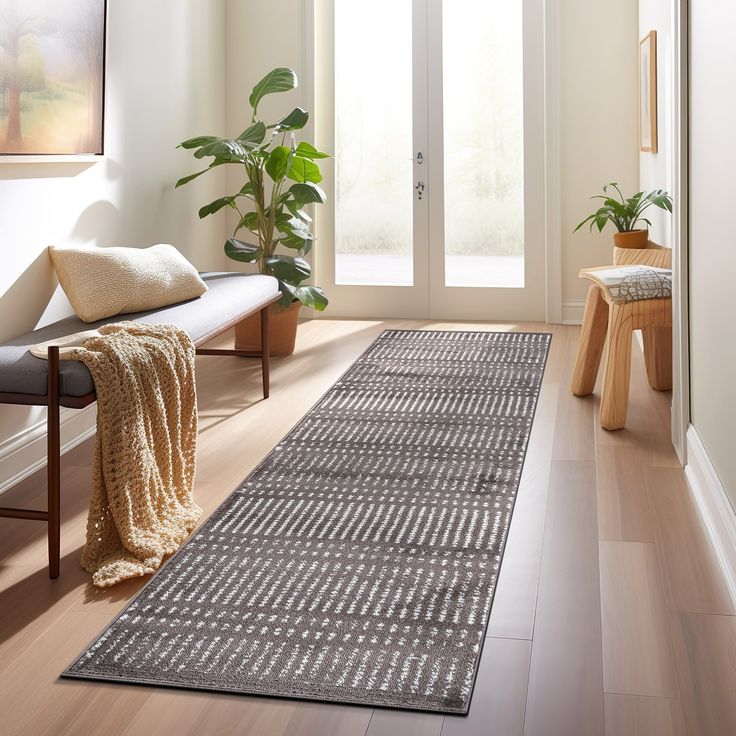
31,381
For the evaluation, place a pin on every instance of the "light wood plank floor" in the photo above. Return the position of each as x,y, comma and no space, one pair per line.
610,617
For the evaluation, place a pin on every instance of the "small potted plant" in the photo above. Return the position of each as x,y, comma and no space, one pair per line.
281,178
625,214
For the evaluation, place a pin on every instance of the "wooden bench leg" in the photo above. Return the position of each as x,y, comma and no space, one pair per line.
658,356
615,399
53,461
265,350
592,339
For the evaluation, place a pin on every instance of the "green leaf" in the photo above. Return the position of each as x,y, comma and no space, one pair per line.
295,120
296,235
302,170
288,268
253,135
288,293
633,202
277,80
202,140
306,193
311,296
232,150
587,219
278,162
614,184
286,224
301,214
661,200
303,249
248,221
218,204
187,179
307,150
601,222
241,251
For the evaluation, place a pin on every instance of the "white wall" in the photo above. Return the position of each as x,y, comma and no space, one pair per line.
251,54
165,82
252,27
656,169
712,248
599,133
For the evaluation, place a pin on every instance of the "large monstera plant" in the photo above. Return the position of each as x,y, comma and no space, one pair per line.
281,179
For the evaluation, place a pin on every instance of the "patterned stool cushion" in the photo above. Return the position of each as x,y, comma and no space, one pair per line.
648,283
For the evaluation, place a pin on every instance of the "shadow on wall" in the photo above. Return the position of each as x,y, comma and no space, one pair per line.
28,297
99,224
35,298
44,170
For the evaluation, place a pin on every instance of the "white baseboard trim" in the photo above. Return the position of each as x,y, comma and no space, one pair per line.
25,453
714,505
572,311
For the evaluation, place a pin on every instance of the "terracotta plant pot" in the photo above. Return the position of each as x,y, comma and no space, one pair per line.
282,328
632,239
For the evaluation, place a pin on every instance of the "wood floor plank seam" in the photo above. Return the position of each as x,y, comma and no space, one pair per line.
536,597
637,695
562,388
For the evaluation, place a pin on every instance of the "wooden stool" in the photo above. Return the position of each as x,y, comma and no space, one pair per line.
611,322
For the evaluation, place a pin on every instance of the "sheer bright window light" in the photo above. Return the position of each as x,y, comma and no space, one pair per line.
483,143
373,137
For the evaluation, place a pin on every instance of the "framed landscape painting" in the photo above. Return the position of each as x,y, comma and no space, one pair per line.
52,77
648,93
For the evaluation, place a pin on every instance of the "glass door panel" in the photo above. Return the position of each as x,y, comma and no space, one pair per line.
435,112
483,141
485,106
373,143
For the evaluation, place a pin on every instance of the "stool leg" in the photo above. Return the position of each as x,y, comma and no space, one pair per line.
615,399
592,339
658,356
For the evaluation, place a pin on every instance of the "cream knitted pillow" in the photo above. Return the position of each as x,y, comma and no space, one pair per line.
103,282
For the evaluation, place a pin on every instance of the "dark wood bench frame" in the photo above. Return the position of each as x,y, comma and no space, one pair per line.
54,401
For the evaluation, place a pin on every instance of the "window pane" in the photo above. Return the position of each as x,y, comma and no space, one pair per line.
483,139
373,119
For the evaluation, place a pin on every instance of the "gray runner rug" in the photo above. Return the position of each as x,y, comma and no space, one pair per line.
357,563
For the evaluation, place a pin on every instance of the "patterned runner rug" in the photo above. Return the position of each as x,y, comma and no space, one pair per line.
357,563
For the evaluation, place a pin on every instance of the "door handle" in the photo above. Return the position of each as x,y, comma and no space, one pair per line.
420,189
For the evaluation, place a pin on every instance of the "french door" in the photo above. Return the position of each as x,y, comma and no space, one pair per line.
434,112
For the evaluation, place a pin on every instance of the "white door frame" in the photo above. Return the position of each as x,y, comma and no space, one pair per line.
680,232
317,55
552,144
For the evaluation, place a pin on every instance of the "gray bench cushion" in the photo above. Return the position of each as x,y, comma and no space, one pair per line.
229,296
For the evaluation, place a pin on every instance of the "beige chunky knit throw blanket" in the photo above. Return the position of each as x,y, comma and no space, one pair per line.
141,507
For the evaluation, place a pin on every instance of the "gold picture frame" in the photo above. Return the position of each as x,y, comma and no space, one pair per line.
648,93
